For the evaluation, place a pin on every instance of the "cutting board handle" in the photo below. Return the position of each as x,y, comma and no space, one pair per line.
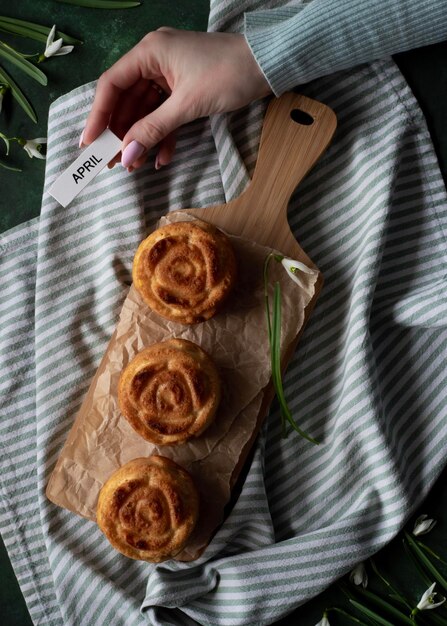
295,133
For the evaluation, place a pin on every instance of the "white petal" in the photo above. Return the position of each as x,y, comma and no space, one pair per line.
288,263
63,50
292,266
39,155
53,48
50,37
31,148
429,591
423,525
424,601
323,621
358,576
430,600
433,604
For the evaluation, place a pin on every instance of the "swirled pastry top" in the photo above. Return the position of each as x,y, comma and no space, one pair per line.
170,391
184,271
148,509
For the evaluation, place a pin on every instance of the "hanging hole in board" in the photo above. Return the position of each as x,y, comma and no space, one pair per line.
301,117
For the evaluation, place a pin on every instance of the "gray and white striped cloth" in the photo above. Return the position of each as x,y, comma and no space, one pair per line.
369,377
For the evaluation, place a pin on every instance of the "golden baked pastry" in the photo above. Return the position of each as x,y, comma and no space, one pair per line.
184,271
170,391
148,509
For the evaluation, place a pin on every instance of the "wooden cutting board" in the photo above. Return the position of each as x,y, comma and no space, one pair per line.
287,151
295,133
101,441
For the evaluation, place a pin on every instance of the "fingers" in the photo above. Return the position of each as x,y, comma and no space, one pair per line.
151,130
134,104
126,102
164,155
140,62
165,151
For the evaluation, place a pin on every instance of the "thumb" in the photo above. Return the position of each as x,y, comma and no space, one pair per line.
150,130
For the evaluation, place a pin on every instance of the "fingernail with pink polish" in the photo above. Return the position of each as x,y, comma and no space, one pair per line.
81,139
131,153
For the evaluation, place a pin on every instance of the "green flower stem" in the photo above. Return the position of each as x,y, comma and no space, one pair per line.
17,59
18,95
274,335
384,605
266,296
425,561
335,609
375,616
102,4
8,167
7,141
38,32
272,339
277,358
414,612
276,353
396,595
430,551
419,567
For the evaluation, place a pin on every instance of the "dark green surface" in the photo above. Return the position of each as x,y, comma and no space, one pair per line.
107,35
13,609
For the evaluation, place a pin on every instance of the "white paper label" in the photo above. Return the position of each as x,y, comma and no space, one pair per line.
82,171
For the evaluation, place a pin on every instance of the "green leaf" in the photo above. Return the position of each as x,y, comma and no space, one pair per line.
384,605
425,561
335,609
18,95
271,337
396,594
37,32
277,378
431,552
14,57
102,4
276,352
274,335
268,258
8,167
419,567
372,615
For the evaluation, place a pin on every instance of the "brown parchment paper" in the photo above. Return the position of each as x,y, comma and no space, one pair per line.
101,440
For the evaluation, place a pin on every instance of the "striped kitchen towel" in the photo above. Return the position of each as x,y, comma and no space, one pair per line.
369,378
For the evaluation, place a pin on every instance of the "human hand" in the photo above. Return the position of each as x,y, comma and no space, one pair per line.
168,79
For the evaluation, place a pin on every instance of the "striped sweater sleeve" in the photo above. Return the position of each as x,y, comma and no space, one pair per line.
297,44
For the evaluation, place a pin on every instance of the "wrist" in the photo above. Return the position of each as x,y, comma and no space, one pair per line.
258,82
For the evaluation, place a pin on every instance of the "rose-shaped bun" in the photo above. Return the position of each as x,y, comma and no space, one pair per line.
184,271
148,509
170,391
